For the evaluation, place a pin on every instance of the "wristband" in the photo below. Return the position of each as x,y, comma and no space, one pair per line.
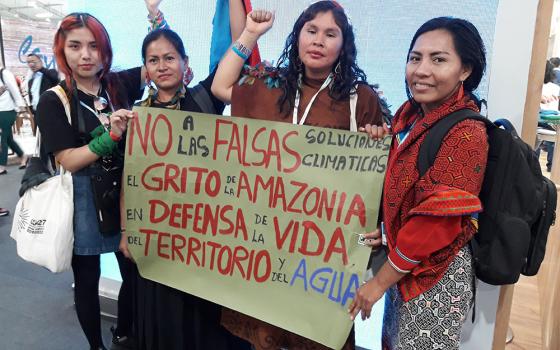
114,137
239,53
102,145
241,50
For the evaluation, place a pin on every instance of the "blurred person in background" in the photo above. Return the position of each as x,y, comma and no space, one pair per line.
11,102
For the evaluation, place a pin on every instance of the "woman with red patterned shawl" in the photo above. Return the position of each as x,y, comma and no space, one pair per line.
429,220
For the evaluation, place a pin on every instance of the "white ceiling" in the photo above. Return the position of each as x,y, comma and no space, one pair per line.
35,10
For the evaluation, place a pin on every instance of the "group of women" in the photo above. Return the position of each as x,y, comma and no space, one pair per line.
428,275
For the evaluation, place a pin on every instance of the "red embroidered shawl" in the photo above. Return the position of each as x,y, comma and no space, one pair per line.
427,219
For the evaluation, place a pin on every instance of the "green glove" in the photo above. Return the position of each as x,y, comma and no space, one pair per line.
97,131
102,145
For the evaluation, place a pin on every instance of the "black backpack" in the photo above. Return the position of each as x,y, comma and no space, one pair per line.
519,203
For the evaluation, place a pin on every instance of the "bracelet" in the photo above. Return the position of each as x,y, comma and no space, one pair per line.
157,22
241,50
102,145
152,18
114,137
239,53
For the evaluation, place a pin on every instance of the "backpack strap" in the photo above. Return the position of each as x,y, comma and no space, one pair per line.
203,99
437,132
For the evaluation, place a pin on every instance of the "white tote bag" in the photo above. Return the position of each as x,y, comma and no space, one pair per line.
43,223
43,220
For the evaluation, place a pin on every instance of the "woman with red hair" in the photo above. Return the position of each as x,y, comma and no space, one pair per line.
82,121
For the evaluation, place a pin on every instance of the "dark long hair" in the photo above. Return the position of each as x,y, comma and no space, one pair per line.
549,73
467,42
344,79
170,36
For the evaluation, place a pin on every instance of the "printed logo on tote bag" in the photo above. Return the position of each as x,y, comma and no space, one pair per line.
23,219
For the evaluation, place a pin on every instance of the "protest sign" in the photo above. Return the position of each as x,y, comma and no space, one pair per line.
261,217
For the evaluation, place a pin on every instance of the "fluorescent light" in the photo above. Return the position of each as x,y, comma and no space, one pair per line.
32,3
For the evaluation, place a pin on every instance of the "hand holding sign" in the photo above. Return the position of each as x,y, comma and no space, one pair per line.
371,239
370,292
367,295
123,245
119,121
376,132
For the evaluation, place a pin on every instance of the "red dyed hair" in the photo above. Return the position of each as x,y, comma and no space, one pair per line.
85,20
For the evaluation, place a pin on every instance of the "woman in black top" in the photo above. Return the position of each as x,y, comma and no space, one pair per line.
90,148
166,318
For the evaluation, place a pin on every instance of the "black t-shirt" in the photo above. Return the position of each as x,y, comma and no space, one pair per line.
58,135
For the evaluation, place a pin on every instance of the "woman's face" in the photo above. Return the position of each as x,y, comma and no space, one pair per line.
434,70
320,42
164,65
82,54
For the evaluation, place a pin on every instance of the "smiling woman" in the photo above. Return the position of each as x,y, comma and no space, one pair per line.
165,64
165,317
434,70
430,219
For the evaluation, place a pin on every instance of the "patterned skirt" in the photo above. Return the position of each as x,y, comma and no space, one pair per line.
434,319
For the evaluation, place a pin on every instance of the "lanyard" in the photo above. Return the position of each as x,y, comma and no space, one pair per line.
102,117
401,136
95,113
296,102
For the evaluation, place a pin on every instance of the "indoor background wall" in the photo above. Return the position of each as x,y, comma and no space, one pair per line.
383,31
21,37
